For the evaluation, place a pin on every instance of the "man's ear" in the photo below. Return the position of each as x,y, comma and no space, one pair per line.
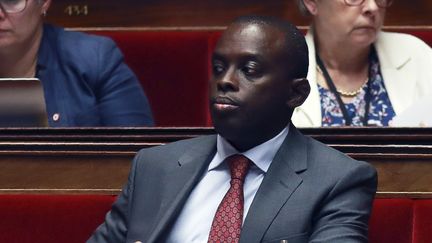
311,6
300,90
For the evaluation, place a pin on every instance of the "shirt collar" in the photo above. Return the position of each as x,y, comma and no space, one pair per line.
261,155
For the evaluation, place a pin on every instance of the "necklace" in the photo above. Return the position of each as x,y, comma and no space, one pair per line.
344,93
332,87
353,93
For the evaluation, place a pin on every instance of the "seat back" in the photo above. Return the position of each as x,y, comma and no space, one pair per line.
51,218
391,220
173,67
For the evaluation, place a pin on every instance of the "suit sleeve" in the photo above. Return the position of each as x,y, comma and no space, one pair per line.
121,99
344,214
115,227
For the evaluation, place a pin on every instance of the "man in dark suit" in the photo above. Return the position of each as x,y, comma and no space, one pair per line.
258,179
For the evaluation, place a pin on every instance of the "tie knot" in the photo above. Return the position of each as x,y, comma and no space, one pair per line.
239,166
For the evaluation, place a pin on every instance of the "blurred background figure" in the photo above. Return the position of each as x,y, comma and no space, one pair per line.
360,75
84,78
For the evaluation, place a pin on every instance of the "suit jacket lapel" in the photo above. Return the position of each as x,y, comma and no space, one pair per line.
185,176
278,185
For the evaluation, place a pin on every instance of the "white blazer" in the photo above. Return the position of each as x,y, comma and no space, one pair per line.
406,67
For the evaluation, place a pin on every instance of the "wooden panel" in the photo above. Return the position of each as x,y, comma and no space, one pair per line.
371,135
158,135
401,173
97,160
63,172
105,173
160,12
187,13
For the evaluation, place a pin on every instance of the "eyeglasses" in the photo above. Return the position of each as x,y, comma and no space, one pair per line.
13,6
379,3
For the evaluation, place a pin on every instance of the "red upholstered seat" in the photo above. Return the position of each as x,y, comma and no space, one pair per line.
51,218
173,67
391,221
422,221
73,218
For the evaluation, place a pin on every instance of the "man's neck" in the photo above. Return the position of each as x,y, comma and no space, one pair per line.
254,139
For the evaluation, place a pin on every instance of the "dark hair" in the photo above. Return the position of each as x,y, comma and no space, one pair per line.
295,43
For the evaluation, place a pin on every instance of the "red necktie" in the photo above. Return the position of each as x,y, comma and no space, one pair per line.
228,219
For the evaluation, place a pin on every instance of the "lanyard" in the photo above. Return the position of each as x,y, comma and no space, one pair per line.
332,87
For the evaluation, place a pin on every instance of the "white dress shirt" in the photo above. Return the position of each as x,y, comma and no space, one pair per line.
196,217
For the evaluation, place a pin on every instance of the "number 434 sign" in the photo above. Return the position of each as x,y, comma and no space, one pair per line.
76,10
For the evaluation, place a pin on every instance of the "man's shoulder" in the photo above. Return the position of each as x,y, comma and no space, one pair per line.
330,172
323,158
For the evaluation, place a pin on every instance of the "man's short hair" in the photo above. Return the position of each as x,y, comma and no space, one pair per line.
295,44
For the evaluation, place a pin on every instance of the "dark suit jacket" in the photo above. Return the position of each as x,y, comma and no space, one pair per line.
87,83
311,193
